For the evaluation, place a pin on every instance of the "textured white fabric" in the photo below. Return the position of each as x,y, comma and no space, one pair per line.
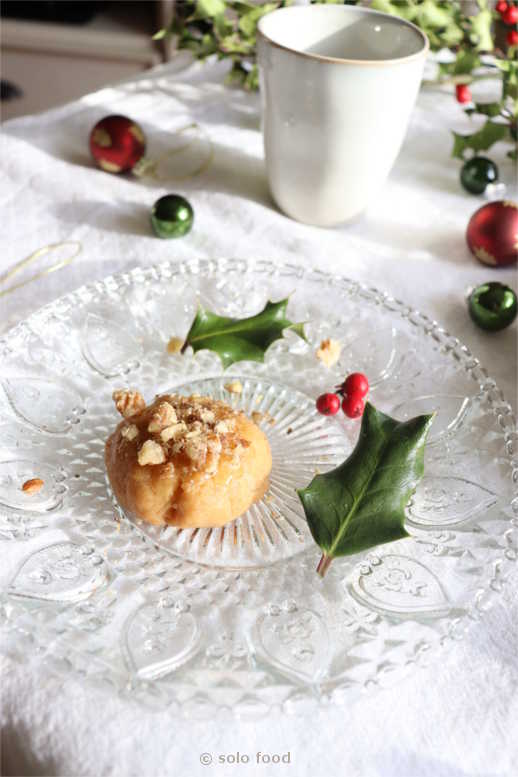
457,717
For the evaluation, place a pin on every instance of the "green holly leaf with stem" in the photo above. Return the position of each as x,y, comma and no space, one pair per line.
362,502
240,339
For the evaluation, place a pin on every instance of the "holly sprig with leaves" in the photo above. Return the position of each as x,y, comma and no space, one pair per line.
483,40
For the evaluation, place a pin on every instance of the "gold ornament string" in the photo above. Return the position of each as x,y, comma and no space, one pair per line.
21,265
149,167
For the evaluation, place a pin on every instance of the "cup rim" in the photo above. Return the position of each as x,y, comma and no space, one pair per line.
342,60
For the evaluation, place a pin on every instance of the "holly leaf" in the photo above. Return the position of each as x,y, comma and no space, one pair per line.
488,109
361,503
209,8
490,133
239,339
481,25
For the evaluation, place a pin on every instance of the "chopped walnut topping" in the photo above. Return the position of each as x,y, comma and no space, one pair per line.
173,432
128,402
196,448
129,432
151,453
207,416
235,387
196,429
329,352
174,345
163,417
33,485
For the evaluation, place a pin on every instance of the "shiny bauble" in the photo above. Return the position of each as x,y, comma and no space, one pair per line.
493,306
492,233
117,144
477,173
172,216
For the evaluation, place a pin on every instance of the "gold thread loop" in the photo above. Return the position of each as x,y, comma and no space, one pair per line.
23,263
149,168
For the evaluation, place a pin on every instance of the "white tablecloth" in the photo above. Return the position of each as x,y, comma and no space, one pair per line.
457,717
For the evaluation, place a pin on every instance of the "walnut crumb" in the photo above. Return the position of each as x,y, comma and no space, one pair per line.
173,432
32,486
329,352
174,345
129,432
164,416
207,416
128,402
223,427
151,453
235,387
257,417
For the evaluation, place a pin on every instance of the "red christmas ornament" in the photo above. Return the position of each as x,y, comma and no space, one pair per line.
501,7
492,233
463,93
511,15
512,37
117,143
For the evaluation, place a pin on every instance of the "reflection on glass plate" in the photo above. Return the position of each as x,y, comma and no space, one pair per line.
236,617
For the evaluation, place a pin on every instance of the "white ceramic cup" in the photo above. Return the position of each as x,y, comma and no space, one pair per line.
338,85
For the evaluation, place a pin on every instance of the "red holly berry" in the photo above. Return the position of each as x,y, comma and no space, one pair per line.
512,37
501,7
353,405
328,404
511,15
355,383
463,93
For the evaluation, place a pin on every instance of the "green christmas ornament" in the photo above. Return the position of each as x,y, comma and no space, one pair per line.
493,306
477,173
172,216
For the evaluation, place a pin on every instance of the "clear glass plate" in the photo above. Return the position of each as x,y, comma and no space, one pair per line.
237,618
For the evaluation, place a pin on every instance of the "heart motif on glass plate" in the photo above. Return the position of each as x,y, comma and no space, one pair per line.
109,348
398,585
63,572
451,413
373,352
15,472
158,638
43,404
447,501
295,641
20,526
